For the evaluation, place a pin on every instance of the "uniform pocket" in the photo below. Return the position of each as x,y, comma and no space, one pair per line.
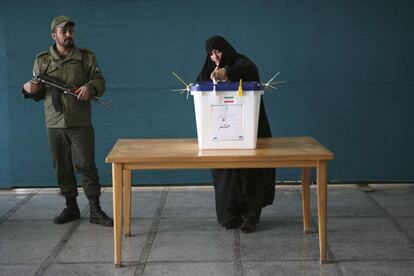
51,69
75,73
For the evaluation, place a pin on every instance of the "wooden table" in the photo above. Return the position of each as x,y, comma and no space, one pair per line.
276,152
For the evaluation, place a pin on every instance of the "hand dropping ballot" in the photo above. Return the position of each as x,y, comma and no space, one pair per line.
227,113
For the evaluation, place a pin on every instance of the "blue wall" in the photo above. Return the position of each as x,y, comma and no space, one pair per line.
349,67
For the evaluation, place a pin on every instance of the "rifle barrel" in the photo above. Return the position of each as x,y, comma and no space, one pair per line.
69,92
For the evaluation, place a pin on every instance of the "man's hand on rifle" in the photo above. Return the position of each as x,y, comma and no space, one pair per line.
83,93
32,86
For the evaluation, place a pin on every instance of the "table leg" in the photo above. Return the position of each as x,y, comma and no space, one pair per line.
117,201
127,202
322,205
306,172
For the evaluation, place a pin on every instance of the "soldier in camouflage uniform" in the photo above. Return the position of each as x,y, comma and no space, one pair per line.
68,118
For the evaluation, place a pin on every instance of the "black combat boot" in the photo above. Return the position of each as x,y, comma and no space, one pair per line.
71,212
98,216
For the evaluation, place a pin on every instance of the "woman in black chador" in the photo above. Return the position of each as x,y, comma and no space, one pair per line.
240,193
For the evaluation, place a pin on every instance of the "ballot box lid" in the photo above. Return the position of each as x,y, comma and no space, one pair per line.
205,86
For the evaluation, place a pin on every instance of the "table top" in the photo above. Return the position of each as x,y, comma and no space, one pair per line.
186,150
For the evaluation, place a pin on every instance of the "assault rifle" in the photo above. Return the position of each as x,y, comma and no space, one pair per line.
68,89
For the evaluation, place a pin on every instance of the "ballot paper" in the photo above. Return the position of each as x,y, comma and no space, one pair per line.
227,122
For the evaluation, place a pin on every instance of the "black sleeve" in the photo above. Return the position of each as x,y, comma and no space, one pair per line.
243,68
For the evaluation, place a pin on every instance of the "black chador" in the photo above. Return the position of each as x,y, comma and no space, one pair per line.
240,193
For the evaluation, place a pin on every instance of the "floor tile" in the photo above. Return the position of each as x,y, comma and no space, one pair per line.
380,268
285,204
281,239
350,203
407,224
94,243
144,204
190,204
30,241
367,239
8,201
308,268
92,269
191,240
17,269
399,203
190,225
190,269
341,203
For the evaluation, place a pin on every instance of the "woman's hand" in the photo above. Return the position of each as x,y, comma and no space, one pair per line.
219,74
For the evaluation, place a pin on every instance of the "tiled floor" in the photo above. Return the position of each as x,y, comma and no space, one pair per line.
174,232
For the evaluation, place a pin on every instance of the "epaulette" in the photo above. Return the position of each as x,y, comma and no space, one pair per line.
86,50
41,54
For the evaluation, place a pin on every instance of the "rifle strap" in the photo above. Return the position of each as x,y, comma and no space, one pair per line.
56,94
